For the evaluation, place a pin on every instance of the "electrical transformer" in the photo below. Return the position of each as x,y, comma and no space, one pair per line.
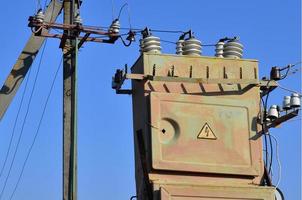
196,128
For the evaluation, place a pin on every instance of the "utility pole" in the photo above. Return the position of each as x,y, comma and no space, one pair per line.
70,53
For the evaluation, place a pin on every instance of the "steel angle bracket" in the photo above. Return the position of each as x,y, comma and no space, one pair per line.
277,122
120,77
25,60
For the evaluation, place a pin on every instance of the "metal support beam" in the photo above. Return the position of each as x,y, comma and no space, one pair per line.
25,60
70,53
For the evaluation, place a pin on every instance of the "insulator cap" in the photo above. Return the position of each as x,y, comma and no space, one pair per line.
179,47
295,101
78,20
192,46
150,44
275,74
233,49
40,16
219,49
286,103
273,112
115,27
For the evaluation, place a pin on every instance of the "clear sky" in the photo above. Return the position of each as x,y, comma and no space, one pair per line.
270,31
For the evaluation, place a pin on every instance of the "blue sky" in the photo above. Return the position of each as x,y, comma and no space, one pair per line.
270,31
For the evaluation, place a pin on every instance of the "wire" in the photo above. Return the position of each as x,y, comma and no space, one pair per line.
129,16
271,154
120,12
208,45
166,31
15,124
167,41
278,160
24,121
264,128
38,5
297,63
112,9
289,90
125,44
37,131
45,4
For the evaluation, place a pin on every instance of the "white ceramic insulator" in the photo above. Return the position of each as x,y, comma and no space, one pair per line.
295,101
286,103
78,20
150,44
233,49
179,47
115,27
40,16
273,112
192,47
219,49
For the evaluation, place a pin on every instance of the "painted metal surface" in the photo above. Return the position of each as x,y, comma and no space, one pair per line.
25,60
177,120
198,116
170,192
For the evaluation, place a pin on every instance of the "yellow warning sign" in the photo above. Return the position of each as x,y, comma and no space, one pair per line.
206,133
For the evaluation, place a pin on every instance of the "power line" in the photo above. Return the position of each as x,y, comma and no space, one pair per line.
112,9
121,9
287,89
37,131
297,63
24,121
15,124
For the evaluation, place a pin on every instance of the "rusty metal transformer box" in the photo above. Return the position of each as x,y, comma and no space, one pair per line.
195,122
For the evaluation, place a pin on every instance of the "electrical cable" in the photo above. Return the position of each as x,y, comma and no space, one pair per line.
288,68
125,44
271,154
265,125
15,124
129,16
263,130
167,41
37,130
112,9
24,122
121,9
166,31
278,160
289,90
297,63
45,4
38,5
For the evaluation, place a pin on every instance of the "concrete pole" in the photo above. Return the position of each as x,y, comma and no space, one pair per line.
70,51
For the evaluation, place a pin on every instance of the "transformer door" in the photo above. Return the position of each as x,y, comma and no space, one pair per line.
206,134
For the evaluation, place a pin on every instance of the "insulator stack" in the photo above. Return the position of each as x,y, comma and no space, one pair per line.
78,20
192,47
141,45
219,49
115,27
295,101
233,49
40,16
179,47
273,112
286,103
150,44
